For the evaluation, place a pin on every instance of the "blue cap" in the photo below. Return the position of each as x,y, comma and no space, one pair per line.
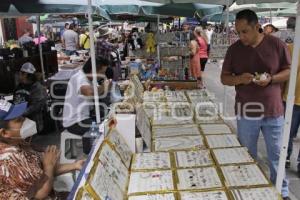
10,111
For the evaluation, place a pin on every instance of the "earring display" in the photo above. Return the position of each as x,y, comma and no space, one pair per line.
82,194
102,185
114,166
207,112
157,160
154,181
232,156
201,93
175,96
214,195
222,141
198,178
243,175
154,96
264,193
153,197
215,129
171,131
121,147
185,159
179,143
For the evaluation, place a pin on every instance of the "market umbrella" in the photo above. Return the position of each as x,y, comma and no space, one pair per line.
184,9
219,17
216,2
133,7
32,7
264,1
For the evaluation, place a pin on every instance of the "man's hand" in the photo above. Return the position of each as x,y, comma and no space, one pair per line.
51,157
245,78
265,82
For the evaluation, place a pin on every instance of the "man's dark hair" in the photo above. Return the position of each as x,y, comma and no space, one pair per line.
100,62
66,24
71,27
248,15
291,23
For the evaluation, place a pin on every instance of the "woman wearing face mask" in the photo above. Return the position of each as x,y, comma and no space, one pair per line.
26,173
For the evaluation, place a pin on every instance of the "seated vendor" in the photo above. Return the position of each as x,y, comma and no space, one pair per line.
80,96
33,92
26,173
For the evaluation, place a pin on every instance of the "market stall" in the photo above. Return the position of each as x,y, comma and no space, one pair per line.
194,154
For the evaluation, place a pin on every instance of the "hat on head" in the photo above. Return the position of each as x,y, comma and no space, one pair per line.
28,68
10,111
103,31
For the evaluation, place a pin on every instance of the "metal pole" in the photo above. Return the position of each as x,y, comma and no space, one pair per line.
227,33
93,58
289,104
158,53
38,23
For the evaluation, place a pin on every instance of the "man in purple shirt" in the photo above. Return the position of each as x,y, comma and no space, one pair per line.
258,103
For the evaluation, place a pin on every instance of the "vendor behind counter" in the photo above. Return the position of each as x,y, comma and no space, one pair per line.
32,91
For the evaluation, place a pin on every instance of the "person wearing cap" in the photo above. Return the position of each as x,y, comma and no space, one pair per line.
104,48
269,29
80,96
25,172
31,91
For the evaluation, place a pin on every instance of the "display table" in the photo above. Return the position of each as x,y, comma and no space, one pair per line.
86,169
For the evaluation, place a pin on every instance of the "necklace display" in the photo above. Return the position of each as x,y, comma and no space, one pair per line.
114,166
264,193
170,131
153,197
232,156
193,158
103,184
150,181
198,178
152,161
121,147
243,175
222,141
178,143
214,129
175,96
214,195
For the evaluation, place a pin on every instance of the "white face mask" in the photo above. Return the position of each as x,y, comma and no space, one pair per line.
28,129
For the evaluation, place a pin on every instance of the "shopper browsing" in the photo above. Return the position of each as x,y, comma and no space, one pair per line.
70,40
202,41
258,101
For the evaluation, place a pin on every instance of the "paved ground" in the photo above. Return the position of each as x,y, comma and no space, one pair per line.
212,82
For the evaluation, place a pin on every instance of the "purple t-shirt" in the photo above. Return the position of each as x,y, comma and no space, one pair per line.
271,56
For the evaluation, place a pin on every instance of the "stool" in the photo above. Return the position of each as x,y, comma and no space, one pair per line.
66,135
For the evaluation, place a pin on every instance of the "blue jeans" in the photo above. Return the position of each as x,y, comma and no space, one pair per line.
272,129
294,129
70,52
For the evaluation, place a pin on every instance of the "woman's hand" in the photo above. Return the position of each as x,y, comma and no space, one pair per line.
79,164
51,157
